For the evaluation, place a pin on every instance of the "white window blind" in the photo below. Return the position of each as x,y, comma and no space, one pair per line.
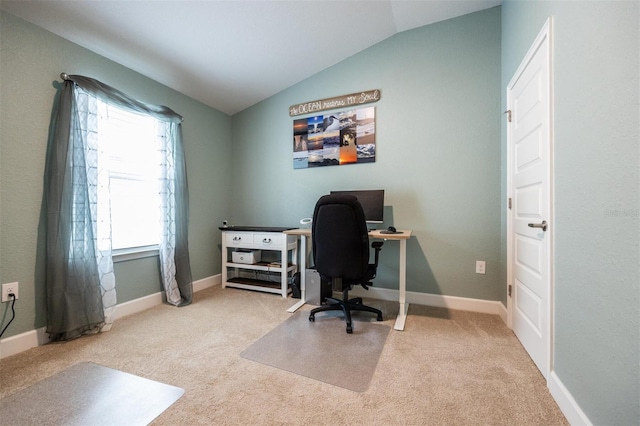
133,151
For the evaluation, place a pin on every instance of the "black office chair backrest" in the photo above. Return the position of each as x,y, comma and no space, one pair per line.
340,238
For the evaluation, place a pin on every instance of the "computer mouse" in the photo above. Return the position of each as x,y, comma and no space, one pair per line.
391,229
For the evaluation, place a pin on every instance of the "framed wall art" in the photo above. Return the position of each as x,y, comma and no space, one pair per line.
333,139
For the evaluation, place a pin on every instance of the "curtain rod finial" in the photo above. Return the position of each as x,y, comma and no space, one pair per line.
64,76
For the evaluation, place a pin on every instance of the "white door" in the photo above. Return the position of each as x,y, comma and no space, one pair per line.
529,185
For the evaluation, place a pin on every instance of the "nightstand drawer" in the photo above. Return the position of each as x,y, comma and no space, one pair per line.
239,239
268,240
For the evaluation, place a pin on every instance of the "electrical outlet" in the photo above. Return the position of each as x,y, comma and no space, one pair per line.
480,267
8,289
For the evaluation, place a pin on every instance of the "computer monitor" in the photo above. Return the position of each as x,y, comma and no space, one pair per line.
372,202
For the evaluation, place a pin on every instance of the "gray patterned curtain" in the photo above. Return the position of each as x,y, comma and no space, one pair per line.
80,280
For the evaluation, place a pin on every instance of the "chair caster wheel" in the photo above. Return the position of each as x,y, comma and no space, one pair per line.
349,329
380,318
312,318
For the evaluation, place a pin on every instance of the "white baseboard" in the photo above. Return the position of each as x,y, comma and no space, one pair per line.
137,305
30,339
437,300
207,282
502,312
21,342
566,403
146,302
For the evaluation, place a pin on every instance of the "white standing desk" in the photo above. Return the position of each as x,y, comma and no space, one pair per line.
305,235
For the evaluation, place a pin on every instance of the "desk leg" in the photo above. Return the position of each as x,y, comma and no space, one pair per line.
303,269
404,306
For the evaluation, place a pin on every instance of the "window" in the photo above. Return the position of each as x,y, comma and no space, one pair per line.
133,152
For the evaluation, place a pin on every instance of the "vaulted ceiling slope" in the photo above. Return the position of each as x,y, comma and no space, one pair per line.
231,55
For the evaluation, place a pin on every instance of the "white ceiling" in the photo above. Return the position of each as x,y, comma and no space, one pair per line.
231,55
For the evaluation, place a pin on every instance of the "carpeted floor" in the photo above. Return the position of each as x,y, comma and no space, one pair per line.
447,367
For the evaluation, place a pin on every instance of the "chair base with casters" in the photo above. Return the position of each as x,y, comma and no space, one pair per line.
345,305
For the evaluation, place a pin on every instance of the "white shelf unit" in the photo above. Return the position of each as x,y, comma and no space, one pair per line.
235,274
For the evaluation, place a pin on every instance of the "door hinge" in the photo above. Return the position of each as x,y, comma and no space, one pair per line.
508,112
509,290
509,203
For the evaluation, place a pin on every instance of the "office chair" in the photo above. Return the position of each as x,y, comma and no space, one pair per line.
340,242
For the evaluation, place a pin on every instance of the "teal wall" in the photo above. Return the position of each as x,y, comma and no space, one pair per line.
596,68
31,62
437,158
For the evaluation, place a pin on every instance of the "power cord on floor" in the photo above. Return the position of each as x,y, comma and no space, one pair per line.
13,311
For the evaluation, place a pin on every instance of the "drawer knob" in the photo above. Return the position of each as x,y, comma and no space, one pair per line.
266,240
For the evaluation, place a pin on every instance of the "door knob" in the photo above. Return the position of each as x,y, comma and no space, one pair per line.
542,225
